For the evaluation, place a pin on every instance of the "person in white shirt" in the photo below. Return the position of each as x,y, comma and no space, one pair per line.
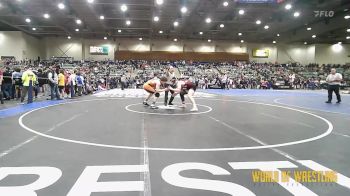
334,79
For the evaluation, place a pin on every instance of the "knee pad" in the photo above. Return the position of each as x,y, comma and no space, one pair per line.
157,95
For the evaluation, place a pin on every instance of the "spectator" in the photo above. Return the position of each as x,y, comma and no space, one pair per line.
1,94
7,84
53,82
28,79
61,82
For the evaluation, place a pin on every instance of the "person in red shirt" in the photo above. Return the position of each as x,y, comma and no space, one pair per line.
185,87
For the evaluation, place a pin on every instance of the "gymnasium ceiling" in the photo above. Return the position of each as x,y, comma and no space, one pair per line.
141,13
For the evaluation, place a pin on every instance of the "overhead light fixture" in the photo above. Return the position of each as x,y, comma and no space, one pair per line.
305,43
61,6
241,12
77,30
225,3
278,34
209,40
239,34
159,2
242,41
348,30
176,23
140,38
156,18
288,7
347,17
128,22
69,37
46,16
161,32
34,29
208,20
222,25
340,43
90,1
105,38
258,22
348,37
119,31
266,27
28,20
296,14
123,8
175,40
309,29
102,17
78,21
314,36
273,42
183,9
201,33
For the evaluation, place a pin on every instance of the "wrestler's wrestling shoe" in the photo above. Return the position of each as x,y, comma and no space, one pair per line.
194,110
145,104
154,107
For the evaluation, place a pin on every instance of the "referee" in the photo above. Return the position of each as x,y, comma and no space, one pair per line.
333,80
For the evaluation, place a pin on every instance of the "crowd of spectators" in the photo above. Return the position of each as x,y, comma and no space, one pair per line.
64,79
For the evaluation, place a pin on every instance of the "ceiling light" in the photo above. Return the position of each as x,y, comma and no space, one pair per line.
159,2
161,32
288,6
176,23
208,20
201,33
225,3
34,29
128,22
241,12
28,20
78,21
124,8
140,38
348,37
119,31
90,1
77,30
222,26
309,28
348,30
184,9
209,40
175,40
258,22
314,36
242,41
61,6
273,42
296,14
347,17
340,43
69,37
278,34
239,34
46,16
156,19
266,27
102,17
305,43
105,38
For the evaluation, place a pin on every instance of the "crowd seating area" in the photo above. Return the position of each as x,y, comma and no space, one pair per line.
133,73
